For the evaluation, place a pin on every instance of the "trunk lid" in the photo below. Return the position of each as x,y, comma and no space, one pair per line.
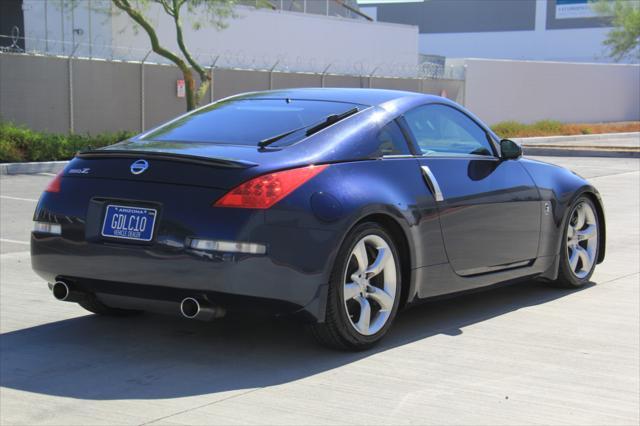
181,164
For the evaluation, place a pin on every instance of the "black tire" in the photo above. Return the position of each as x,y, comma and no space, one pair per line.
97,307
337,332
566,277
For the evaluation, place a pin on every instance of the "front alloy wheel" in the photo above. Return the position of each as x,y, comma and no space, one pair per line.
582,240
579,253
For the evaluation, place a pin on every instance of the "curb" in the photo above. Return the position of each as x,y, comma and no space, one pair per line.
632,136
572,152
32,168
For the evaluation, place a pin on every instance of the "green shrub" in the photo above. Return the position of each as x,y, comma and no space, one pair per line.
19,144
509,129
547,126
9,153
514,129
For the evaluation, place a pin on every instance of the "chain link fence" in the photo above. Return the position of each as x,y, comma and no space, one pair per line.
341,8
432,67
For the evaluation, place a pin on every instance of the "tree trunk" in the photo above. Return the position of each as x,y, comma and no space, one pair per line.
190,90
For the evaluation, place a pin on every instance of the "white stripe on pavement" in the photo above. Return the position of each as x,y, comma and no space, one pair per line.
19,199
6,240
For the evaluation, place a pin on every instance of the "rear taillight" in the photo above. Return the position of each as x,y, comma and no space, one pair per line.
266,190
54,185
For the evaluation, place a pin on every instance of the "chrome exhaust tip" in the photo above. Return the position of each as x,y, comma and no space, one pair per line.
189,307
66,293
202,310
60,290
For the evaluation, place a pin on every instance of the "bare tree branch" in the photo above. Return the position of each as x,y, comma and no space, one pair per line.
205,78
212,10
166,7
125,6
180,38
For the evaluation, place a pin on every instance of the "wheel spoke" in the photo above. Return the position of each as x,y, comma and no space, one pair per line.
360,252
379,264
585,257
587,233
351,291
582,239
383,298
580,217
374,301
573,259
365,316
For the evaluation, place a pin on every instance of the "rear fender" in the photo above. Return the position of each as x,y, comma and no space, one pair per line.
358,191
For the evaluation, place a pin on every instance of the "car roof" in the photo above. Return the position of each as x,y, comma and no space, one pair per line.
371,97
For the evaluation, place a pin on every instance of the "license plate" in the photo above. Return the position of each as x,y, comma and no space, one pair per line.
129,223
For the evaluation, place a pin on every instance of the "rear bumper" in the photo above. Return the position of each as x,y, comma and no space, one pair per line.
162,274
293,273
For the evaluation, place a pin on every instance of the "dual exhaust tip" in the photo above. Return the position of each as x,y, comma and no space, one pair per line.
190,307
66,293
202,310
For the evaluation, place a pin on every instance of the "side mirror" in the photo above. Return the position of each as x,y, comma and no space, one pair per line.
510,150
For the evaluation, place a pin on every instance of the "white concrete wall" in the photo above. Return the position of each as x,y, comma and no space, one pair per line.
527,91
575,45
300,42
255,39
50,24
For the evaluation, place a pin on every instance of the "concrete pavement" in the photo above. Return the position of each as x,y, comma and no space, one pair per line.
524,354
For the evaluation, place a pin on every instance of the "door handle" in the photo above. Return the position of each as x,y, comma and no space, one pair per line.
432,183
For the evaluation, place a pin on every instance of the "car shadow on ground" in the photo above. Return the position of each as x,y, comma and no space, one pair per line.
152,357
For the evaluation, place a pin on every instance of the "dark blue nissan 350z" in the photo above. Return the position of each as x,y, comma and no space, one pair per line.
340,205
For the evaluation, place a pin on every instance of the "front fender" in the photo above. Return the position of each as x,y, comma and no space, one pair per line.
560,188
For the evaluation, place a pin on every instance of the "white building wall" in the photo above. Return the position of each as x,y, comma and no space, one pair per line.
572,45
52,27
527,91
258,38
255,39
577,45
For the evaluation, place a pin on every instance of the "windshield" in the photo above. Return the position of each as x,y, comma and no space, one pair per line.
248,121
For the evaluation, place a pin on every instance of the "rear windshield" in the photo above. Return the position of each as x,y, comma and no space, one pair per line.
248,121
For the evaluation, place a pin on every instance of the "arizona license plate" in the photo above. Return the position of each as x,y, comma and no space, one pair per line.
130,223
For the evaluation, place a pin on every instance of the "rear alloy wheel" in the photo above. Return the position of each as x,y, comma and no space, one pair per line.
370,285
364,291
579,252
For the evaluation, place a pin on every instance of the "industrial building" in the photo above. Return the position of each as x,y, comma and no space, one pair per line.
542,30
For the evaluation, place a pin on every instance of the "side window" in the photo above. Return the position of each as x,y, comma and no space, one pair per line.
391,140
443,130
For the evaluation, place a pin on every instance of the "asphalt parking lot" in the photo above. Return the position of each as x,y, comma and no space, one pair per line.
524,354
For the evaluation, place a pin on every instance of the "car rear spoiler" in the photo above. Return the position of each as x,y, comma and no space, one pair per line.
165,155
